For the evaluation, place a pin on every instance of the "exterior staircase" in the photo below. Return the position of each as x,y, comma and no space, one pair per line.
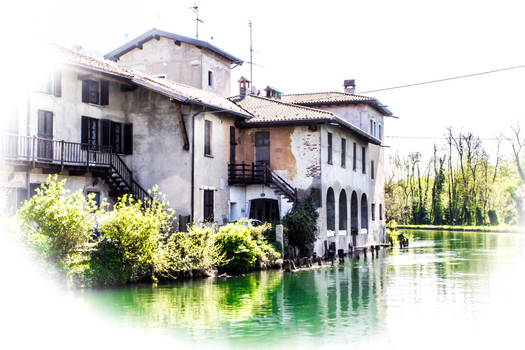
261,173
56,156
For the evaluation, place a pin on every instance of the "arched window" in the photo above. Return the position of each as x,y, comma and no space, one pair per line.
364,212
342,210
330,210
353,214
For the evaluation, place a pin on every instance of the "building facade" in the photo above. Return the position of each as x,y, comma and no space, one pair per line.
152,118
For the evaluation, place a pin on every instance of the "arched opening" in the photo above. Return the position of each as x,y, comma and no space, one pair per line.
364,212
266,210
330,210
342,211
354,224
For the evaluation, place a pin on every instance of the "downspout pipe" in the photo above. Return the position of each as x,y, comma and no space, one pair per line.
193,162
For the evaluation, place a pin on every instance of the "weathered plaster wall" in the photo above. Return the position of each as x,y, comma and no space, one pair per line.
67,112
294,155
357,114
345,178
211,172
182,63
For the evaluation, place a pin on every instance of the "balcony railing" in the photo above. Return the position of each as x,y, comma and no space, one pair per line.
37,150
259,173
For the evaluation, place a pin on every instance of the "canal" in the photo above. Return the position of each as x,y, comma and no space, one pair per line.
447,290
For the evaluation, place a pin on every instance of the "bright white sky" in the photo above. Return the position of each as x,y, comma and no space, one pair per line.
312,46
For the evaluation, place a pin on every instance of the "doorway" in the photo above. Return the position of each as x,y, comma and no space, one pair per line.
265,210
262,147
45,135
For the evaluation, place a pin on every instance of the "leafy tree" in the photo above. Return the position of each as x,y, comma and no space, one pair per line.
139,231
57,222
300,226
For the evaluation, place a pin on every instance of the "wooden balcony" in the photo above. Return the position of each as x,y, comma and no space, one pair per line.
260,173
36,152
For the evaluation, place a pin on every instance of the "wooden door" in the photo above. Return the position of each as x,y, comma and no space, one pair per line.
262,147
45,135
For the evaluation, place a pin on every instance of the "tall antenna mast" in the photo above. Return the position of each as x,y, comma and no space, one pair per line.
251,52
195,9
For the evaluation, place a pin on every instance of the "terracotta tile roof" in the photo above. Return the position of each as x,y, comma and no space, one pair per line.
332,97
177,91
268,110
271,112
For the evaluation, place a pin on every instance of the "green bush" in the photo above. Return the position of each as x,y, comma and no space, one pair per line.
194,250
300,226
242,244
57,223
139,231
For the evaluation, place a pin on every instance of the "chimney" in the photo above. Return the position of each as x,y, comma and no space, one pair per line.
349,85
244,86
272,93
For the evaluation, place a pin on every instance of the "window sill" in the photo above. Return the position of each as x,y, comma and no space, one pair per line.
209,156
94,104
329,162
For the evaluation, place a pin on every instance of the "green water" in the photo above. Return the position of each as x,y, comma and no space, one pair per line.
447,289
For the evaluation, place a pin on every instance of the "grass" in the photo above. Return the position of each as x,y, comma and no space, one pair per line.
499,228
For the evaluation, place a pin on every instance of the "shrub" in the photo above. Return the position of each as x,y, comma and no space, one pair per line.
195,249
242,244
139,231
57,223
493,217
300,226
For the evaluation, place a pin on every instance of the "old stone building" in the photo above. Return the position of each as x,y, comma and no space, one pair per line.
157,116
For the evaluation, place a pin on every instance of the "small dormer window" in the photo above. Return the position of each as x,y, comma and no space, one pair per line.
210,78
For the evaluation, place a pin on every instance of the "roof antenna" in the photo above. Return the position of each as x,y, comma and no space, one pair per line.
251,52
197,19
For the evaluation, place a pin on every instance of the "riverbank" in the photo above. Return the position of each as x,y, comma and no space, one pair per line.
500,228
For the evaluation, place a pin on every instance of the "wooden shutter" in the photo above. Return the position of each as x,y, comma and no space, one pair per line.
208,205
85,91
128,139
343,152
105,126
104,92
57,87
84,130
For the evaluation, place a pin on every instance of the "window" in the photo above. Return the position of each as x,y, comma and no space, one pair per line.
232,144
363,159
371,127
342,211
364,212
330,210
380,211
372,172
373,210
116,137
208,205
375,128
354,157
95,92
96,198
51,84
210,78
343,153
207,138
329,148
380,132
89,131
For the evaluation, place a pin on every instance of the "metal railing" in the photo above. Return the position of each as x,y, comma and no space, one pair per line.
64,153
259,173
